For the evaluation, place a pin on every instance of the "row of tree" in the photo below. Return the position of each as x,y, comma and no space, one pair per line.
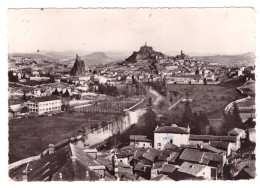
232,120
197,121
107,89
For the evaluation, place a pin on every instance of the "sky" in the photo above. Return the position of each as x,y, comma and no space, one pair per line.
194,30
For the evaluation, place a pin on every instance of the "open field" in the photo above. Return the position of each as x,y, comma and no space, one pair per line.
211,99
28,137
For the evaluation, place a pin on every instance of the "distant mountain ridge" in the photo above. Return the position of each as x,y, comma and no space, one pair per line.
245,58
92,59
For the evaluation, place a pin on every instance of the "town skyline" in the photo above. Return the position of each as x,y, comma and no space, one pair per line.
126,29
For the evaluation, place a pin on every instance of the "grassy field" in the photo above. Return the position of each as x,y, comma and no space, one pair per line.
211,99
207,98
28,137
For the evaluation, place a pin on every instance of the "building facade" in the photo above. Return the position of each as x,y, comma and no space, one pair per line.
41,105
171,134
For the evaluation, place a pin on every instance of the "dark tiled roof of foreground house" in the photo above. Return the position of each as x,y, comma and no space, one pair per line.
214,150
60,166
165,154
201,157
191,168
158,164
169,146
140,167
126,151
173,156
220,145
193,156
168,129
207,138
151,154
168,168
161,177
139,153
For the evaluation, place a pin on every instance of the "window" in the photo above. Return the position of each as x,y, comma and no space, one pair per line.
159,144
171,141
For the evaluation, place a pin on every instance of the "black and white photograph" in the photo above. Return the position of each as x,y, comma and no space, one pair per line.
131,94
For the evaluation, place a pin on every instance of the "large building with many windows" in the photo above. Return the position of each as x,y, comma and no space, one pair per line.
41,105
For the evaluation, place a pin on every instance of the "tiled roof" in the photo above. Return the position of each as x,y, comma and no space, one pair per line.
139,167
192,155
126,152
235,131
161,177
83,157
139,138
152,153
165,154
168,129
126,176
46,98
213,157
213,138
191,168
213,149
169,146
158,164
106,162
139,153
168,168
201,157
220,145
173,156
48,165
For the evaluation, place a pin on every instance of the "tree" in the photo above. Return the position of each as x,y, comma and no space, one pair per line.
231,120
225,123
24,96
150,120
249,123
187,115
56,92
66,94
237,121
11,77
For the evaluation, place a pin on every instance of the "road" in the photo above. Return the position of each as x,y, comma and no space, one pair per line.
158,97
174,104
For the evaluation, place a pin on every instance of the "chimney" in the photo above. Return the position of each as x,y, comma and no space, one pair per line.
24,175
51,148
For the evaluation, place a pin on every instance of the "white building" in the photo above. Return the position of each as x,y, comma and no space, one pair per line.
43,105
240,133
171,134
101,79
140,141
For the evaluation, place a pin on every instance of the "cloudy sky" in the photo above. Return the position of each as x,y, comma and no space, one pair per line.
204,31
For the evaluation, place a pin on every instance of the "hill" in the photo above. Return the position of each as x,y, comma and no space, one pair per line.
29,55
145,53
229,60
92,59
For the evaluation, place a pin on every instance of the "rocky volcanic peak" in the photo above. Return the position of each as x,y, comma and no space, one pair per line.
145,53
78,67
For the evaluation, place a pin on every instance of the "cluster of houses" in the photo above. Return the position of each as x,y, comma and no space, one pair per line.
174,155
